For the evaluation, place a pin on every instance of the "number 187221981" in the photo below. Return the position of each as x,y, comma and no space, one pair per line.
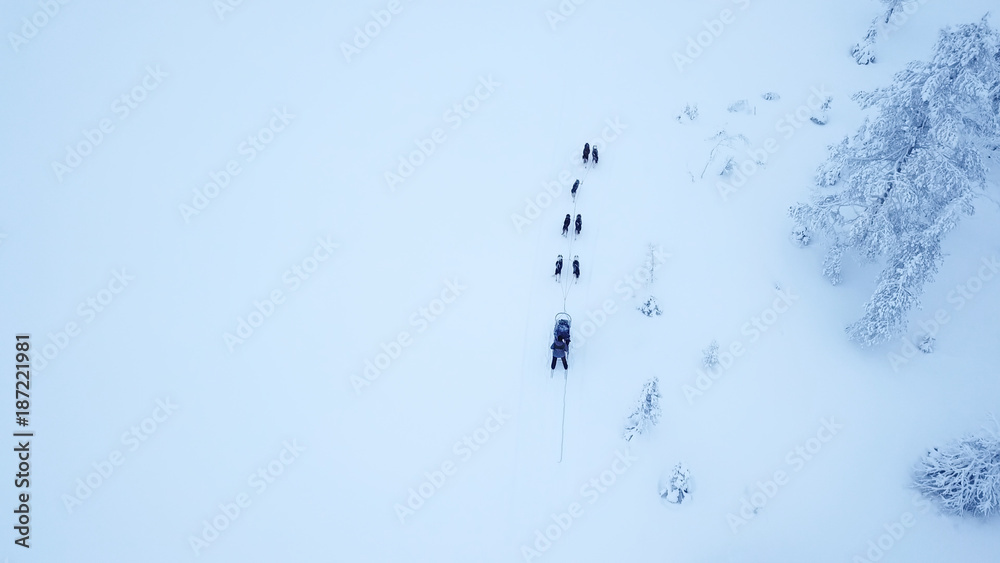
22,383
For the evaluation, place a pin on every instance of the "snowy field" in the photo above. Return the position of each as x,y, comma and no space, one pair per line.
288,286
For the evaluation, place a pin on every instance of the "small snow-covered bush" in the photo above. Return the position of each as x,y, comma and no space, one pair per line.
728,167
801,237
689,114
963,477
740,106
649,267
675,490
723,153
864,50
770,96
650,308
647,411
710,355
822,115
926,344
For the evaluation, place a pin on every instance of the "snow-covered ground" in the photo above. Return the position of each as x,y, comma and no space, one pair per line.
167,428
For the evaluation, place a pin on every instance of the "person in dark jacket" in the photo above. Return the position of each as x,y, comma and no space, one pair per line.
576,267
586,152
558,273
579,224
560,348
595,155
576,186
566,223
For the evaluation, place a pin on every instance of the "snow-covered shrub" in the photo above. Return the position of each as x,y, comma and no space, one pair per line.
650,265
895,11
726,148
650,308
647,411
728,167
909,174
741,106
675,490
710,355
926,344
964,476
770,96
801,237
864,51
822,115
689,114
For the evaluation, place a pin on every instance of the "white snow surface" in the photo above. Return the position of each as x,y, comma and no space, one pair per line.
485,355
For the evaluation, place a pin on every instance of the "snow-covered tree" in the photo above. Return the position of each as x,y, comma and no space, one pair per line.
652,261
893,6
690,112
710,355
909,173
926,344
741,106
647,411
864,51
650,308
725,150
675,490
801,237
822,115
964,476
